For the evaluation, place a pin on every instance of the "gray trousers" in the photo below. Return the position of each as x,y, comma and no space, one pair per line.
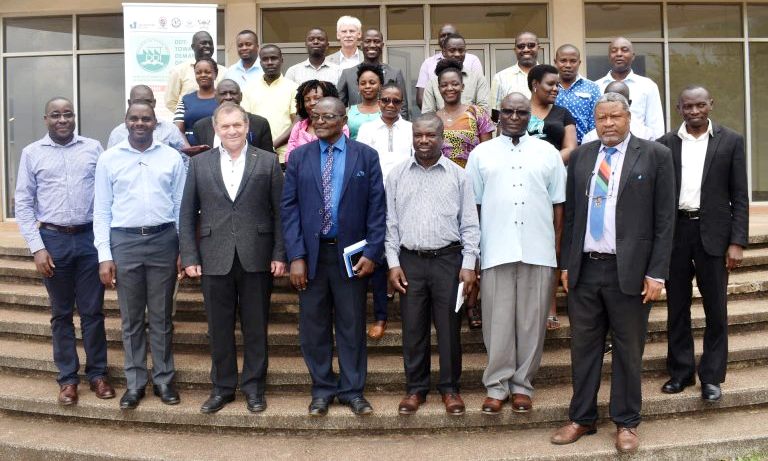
516,300
146,276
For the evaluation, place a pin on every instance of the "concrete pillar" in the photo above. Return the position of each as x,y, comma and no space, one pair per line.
239,15
568,26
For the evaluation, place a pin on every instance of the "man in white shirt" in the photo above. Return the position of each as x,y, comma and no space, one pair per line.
636,126
514,79
646,99
316,66
348,32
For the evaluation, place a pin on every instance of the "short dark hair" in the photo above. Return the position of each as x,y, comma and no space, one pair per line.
211,62
391,84
452,37
270,46
431,117
537,73
249,32
328,89
449,65
368,67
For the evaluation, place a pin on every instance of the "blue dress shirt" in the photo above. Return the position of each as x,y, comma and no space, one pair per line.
580,100
337,178
136,189
241,75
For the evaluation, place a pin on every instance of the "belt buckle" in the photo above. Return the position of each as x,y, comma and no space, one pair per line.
144,230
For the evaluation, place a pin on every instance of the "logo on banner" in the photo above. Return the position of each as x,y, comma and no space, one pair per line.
176,22
153,56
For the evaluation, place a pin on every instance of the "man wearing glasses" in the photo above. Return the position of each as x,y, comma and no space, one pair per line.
514,79
54,209
333,197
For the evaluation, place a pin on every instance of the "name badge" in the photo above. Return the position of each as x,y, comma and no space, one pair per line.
583,95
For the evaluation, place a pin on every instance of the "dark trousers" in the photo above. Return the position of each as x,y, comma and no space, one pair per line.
431,298
146,278
334,301
379,284
595,304
243,294
689,259
75,281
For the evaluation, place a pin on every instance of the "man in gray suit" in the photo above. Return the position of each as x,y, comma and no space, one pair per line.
373,46
234,192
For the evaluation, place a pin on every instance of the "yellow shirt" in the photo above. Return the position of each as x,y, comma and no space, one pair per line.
276,102
181,80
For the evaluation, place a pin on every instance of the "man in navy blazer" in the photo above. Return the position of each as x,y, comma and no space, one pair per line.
333,197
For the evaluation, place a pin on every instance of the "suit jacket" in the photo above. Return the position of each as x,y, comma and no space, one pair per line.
259,134
724,207
248,225
645,213
349,92
362,206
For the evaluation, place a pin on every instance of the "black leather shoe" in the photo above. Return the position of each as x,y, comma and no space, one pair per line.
673,386
710,392
131,399
167,393
216,402
255,402
319,406
360,406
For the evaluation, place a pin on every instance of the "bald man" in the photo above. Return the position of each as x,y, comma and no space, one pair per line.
165,132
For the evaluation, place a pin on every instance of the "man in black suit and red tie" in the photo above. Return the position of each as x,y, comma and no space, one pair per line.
710,236
619,223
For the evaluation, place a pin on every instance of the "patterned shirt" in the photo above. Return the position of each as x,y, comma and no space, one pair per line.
510,80
304,71
580,100
475,92
463,134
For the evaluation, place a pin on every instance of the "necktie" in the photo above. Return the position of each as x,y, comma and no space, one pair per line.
600,195
327,185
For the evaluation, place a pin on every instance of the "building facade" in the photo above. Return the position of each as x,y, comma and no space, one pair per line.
76,50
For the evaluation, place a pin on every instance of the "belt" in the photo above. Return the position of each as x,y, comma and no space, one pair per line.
146,230
67,229
600,256
688,214
325,241
453,248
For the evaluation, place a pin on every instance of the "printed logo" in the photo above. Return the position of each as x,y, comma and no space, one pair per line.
163,21
153,55
176,22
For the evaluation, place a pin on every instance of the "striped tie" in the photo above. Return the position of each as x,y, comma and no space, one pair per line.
600,195
327,184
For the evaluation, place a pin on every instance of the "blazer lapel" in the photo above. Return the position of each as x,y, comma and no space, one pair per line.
349,166
630,158
676,146
711,149
215,169
313,158
250,164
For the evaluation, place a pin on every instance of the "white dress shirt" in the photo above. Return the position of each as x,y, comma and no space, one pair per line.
692,156
394,144
646,101
232,170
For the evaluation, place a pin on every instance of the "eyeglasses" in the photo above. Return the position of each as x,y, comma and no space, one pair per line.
325,117
58,115
531,45
393,101
522,113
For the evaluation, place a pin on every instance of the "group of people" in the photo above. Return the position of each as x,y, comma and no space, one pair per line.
494,194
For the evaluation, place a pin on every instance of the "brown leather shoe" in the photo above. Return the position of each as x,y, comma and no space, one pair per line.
572,432
68,394
492,406
521,403
454,406
102,388
627,439
376,332
410,404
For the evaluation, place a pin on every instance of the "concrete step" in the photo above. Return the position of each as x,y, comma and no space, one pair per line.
720,435
288,412
743,315
385,371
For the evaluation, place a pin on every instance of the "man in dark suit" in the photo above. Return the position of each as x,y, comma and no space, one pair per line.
619,219
259,134
333,198
234,192
710,235
373,46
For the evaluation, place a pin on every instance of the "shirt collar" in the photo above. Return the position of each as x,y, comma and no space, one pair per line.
685,136
47,141
274,82
225,154
573,85
629,78
621,147
309,64
126,145
508,139
442,161
256,65
339,145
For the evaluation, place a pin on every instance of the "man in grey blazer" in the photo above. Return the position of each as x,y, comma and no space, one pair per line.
233,192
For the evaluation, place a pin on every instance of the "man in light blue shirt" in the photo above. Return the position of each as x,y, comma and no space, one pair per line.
139,185
520,180
248,67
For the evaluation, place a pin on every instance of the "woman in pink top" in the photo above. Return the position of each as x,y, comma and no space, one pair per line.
307,96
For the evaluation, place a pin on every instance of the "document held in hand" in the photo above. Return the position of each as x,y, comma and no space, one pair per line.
352,255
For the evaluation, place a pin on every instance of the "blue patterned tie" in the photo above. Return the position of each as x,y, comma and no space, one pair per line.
600,195
327,191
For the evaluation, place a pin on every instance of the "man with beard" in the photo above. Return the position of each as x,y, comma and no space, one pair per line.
316,66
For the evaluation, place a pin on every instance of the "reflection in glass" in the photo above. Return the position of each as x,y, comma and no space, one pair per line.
103,31
505,57
102,103
758,67
490,21
25,100
704,21
757,20
405,22
220,38
649,62
38,34
608,20
408,59
292,24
